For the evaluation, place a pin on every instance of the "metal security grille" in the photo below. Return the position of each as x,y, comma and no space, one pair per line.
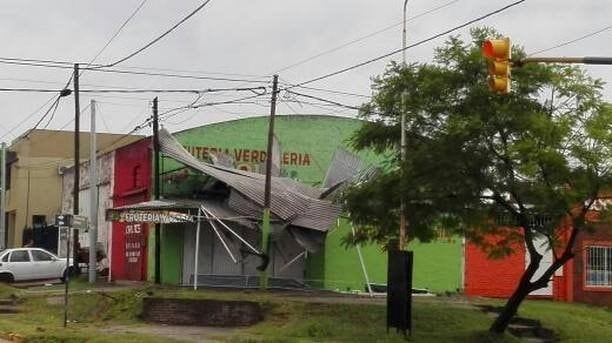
599,266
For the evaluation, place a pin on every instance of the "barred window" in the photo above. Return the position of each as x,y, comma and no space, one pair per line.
599,266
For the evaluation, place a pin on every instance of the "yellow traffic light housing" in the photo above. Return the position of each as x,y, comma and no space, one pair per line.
498,53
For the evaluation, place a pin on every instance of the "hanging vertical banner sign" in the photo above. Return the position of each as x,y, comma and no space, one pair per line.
133,242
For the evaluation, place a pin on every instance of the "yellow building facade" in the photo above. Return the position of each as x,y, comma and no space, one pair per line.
35,164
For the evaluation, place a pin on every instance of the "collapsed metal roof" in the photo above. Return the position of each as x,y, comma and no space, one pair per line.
290,201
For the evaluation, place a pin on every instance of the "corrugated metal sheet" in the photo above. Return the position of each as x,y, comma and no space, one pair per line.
318,216
289,200
344,166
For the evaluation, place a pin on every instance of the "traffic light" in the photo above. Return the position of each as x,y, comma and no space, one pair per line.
497,52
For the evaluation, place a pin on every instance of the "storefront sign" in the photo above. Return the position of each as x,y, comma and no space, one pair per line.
250,155
161,217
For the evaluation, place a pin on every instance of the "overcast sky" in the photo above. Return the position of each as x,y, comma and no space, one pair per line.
252,39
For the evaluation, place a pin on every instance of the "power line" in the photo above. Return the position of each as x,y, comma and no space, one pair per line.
202,72
52,114
160,36
179,76
67,65
438,35
333,91
357,40
61,93
196,91
33,64
323,100
37,61
29,90
195,106
118,31
573,40
27,117
54,105
58,83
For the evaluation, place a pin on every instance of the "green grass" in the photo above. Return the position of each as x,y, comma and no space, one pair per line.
291,318
316,322
41,320
572,322
7,291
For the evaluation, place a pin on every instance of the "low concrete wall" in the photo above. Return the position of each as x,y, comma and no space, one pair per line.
201,312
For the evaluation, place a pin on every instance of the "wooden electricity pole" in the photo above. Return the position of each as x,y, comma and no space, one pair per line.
265,227
77,147
156,189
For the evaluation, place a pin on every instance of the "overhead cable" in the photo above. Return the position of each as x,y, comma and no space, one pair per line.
158,38
261,90
34,63
142,3
323,100
357,40
438,35
573,40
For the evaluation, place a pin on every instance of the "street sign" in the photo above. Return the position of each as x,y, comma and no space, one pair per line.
80,223
63,220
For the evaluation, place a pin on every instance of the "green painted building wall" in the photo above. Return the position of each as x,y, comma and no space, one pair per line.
307,144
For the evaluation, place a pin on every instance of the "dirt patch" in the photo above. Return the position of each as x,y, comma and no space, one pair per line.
179,333
201,312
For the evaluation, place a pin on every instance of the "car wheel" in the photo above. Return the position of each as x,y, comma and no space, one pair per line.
6,278
71,274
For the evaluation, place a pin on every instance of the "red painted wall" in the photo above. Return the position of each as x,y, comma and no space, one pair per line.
492,277
498,278
132,184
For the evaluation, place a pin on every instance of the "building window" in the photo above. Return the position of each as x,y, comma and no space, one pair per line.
599,266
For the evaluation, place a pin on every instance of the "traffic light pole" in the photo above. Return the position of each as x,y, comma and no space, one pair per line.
571,60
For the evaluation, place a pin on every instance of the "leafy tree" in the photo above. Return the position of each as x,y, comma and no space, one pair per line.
518,166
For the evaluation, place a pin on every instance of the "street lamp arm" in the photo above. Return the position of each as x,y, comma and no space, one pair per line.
404,34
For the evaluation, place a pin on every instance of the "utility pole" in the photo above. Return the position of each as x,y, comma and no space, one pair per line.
77,171
156,189
403,220
265,227
93,196
402,229
3,200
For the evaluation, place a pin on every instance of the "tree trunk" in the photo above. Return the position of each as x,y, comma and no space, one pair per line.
505,316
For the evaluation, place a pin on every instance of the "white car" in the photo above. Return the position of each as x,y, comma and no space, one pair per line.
21,264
